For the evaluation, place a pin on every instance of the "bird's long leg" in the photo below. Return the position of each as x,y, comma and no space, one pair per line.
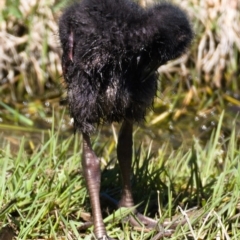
124,153
92,174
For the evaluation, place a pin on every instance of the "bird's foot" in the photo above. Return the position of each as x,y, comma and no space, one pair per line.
138,221
86,225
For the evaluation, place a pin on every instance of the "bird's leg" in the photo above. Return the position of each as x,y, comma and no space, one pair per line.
92,174
124,152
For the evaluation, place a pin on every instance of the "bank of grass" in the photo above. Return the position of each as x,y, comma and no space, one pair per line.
43,194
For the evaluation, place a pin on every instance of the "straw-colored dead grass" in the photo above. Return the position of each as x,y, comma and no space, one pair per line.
29,45
29,48
216,47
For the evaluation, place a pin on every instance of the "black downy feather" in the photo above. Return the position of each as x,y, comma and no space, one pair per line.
111,51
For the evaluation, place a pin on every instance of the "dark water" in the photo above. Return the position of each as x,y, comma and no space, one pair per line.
170,130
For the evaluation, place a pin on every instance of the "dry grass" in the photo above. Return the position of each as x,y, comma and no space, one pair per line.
30,52
29,48
214,56
217,44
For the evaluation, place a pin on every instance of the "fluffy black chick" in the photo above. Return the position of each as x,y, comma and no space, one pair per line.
111,51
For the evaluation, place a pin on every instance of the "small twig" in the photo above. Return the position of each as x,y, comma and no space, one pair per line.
204,222
167,233
188,221
222,226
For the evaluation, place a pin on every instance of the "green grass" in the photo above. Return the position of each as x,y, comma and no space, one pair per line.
43,194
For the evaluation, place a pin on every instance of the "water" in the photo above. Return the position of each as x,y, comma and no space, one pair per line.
177,131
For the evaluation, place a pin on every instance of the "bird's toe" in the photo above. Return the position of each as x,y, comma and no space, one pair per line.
139,220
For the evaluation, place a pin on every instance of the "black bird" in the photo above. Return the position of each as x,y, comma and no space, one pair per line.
111,51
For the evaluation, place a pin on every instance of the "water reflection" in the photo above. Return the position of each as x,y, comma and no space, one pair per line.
178,132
